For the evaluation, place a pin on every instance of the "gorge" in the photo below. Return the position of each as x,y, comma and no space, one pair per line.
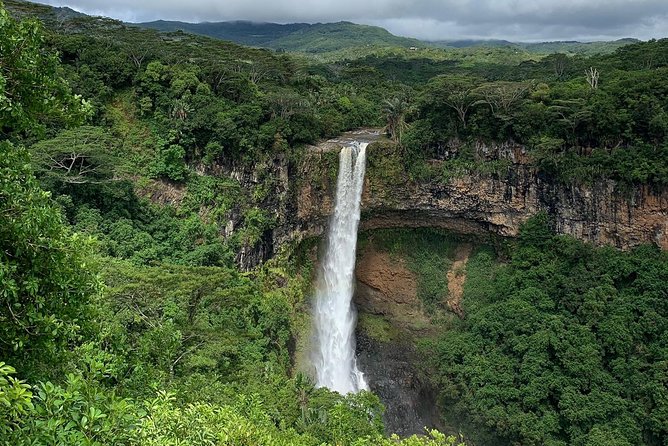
206,243
482,208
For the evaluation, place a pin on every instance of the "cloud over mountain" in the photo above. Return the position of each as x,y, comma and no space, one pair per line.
426,19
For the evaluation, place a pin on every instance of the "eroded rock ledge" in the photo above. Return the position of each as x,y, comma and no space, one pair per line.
302,193
483,203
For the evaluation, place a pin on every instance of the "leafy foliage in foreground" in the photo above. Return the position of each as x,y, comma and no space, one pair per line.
46,285
81,414
215,345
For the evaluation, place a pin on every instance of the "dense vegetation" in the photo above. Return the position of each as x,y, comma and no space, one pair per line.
326,39
125,319
580,119
562,345
158,107
566,47
315,38
97,350
558,343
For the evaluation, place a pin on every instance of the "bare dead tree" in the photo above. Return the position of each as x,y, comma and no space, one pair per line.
137,57
592,76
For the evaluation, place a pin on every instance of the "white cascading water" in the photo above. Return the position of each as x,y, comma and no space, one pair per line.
335,318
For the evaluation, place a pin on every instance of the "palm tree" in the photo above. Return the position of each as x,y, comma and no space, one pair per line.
181,109
395,111
304,387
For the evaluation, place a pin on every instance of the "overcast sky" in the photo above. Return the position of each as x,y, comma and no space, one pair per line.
526,20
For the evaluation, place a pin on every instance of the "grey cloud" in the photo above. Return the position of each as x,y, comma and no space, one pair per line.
432,19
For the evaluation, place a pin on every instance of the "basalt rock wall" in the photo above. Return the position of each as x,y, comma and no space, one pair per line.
479,203
496,203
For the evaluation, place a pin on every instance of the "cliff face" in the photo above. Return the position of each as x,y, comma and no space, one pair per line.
301,198
483,204
393,319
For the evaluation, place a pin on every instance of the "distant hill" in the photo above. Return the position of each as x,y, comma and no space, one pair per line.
586,48
21,8
569,47
331,37
299,37
244,32
468,43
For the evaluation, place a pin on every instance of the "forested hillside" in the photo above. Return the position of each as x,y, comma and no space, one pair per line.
298,37
334,39
570,47
137,173
111,331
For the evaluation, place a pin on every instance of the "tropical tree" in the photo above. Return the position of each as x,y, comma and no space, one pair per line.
456,92
77,156
44,284
396,110
31,85
502,97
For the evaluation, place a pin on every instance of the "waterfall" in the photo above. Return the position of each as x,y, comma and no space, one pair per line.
335,318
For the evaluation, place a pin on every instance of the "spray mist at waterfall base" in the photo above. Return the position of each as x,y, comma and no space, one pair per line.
334,315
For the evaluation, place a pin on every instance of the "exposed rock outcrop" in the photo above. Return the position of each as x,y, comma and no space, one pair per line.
385,286
409,398
391,318
456,279
483,204
301,195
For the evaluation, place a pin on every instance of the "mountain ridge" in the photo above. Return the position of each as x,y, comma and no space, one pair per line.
310,37
321,38
298,37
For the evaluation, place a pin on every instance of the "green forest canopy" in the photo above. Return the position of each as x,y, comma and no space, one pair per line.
126,321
